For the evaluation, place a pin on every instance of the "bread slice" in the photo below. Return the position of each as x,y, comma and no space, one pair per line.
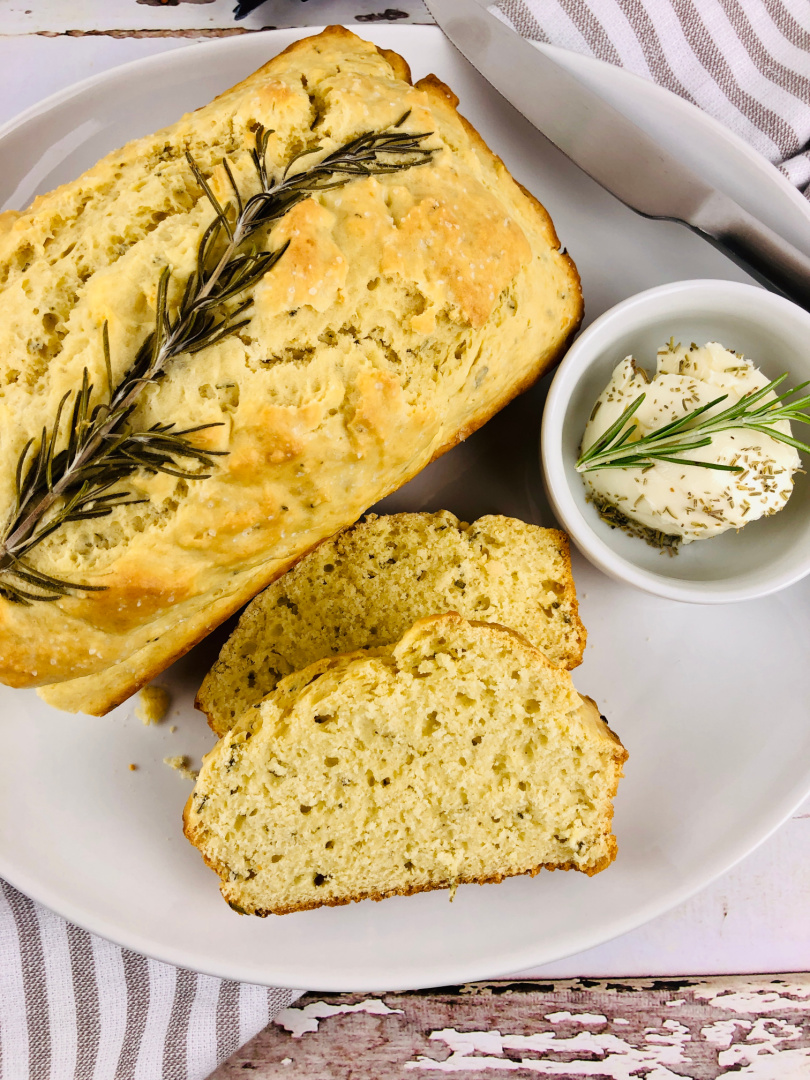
367,585
405,311
461,754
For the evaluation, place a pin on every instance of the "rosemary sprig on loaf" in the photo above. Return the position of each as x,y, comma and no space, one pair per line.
99,448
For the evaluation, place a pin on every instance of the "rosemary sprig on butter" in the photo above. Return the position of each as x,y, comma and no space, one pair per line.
617,449
703,446
71,471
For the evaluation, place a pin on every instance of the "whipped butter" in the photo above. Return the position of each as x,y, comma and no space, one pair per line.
681,503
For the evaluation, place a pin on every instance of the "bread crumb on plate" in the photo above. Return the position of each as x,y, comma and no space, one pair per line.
181,763
155,701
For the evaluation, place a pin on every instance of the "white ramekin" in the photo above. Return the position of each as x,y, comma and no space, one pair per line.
760,559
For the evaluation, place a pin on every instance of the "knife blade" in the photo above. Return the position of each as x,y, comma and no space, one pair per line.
614,151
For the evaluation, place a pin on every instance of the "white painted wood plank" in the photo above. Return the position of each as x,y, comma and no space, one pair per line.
754,919
60,16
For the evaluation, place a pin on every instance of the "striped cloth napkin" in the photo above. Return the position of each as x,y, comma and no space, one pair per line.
75,1007
745,62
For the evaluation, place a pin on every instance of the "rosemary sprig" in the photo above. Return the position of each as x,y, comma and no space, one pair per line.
99,449
615,448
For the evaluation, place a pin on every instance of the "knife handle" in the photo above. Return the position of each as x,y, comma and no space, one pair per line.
766,255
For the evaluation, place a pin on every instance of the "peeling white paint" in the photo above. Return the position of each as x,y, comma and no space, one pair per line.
762,1053
721,1033
768,1028
753,1045
300,1021
577,1018
615,1058
763,1063
674,1034
762,998
493,1041
61,15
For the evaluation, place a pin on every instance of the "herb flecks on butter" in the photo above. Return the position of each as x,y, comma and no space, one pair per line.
702,447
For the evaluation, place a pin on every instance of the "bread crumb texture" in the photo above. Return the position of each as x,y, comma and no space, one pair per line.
181,763
406,310
461,754
368,584
154,704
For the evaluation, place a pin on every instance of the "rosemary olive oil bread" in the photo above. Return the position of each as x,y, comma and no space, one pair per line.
460,754
367,585
390,317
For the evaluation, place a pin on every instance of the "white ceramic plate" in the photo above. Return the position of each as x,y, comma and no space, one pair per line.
709,701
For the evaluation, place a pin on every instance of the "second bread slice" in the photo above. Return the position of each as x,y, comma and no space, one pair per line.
366,585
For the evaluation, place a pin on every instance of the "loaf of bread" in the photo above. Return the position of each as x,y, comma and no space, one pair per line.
367,585
406,309
462,754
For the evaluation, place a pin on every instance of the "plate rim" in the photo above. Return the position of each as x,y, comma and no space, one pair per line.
468,969
770,172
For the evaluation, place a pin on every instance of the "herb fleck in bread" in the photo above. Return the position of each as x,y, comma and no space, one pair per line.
462,754
367,585
406,310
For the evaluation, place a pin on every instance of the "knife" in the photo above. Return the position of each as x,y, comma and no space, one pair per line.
616,153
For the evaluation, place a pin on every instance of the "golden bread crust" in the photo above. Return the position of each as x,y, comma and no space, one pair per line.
370,352
430,886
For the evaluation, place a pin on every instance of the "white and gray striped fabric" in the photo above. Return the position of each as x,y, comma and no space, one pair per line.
745,62
76,1007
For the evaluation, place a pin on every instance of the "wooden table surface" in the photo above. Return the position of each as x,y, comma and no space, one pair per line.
609,1012
702,1029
